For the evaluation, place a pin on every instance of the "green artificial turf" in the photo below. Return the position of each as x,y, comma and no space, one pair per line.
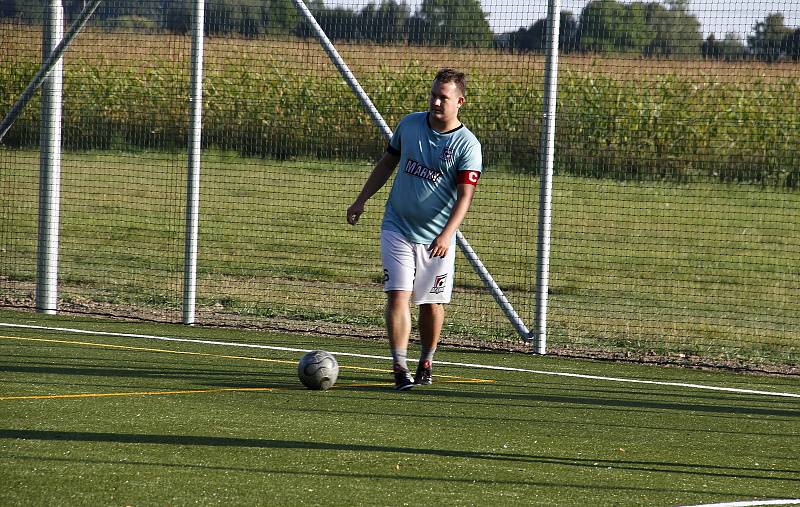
176,423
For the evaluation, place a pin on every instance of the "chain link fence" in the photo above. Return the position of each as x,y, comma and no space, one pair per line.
675,199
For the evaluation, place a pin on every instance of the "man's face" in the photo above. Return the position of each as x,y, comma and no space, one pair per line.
444,101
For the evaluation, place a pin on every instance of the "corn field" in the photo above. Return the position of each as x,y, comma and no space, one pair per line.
675,121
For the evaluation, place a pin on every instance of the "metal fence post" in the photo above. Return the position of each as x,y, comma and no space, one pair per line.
50,165
547,152
193,170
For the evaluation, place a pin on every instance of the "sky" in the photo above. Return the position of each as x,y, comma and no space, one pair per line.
716,16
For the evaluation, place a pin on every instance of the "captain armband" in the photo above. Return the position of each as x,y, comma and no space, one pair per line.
468,177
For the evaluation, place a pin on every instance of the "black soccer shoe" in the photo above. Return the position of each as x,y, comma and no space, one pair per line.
403,380
424,376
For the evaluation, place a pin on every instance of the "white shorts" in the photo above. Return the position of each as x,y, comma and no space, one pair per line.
410,267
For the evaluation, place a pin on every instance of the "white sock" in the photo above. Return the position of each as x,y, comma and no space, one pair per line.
400,357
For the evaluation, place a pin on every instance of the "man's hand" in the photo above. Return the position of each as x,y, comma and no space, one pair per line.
440,246
379,176
354,212
442,243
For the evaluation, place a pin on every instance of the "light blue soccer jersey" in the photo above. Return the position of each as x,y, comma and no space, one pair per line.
424,189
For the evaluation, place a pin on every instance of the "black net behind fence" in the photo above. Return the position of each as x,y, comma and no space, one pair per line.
676,196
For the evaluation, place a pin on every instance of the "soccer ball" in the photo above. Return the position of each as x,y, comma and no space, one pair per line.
318,370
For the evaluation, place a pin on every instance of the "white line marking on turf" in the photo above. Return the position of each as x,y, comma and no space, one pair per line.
750,503
448,363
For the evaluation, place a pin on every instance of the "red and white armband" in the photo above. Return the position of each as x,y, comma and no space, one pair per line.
468,177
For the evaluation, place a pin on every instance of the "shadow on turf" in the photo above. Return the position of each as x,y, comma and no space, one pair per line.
189,440
351,475
505,417
510,397
247,377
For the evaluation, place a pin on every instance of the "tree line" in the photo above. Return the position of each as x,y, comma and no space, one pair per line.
650,29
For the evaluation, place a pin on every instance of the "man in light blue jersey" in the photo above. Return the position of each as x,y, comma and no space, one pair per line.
440,163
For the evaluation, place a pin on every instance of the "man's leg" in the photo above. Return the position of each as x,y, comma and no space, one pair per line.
431,319
433,287
397,255
398,327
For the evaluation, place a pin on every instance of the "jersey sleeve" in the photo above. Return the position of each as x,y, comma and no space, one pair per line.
395,145
472,159
470,165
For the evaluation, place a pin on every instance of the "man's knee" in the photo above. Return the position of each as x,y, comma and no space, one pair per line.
431,308
397,298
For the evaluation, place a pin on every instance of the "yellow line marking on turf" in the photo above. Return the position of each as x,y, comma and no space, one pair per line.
145,349
454,379
459,380
190,391
142,393
206,354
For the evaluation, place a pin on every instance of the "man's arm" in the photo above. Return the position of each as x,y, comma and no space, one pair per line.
380,175
442,243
